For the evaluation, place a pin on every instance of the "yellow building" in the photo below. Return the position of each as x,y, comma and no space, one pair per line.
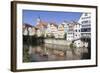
54,30
61,31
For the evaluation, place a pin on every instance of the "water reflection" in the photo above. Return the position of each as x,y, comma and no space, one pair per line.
49,52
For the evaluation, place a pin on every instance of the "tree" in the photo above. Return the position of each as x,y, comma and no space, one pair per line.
65,35
72,45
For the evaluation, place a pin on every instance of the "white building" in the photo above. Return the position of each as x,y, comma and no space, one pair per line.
61,32
77,34
65,23
39,33
74,33
77,30
85,21
32,31
48,31
28,30
52,30
70,32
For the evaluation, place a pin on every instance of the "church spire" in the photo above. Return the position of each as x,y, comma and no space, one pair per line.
38,19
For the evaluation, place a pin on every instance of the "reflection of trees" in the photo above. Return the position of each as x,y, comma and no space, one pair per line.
72,45
26,57
65,36
33,40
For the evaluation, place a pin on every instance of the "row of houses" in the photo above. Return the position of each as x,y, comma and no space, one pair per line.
66,30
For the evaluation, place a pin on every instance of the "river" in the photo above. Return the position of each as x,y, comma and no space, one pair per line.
49,52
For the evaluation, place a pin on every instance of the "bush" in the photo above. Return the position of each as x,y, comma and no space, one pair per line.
72,45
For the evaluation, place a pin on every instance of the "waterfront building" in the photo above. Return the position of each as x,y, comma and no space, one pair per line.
77,31
54,30
77,34
41,26
30,31
74,33
33,31
61,32
48,31
70,31
27,29
65,23
39,33
85,21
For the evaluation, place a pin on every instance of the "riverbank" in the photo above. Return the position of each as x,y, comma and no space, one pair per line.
57,42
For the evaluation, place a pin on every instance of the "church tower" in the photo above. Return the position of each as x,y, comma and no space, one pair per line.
38,20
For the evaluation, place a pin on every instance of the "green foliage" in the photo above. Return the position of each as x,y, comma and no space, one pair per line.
65,35
72,45
25,55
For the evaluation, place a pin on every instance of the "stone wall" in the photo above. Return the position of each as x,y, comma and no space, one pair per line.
57,42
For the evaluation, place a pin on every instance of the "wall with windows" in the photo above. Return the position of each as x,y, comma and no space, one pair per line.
85,21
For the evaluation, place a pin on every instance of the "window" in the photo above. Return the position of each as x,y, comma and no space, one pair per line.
88,25
86,14
85,21
86,29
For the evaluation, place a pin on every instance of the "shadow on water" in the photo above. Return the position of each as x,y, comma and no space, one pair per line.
87,55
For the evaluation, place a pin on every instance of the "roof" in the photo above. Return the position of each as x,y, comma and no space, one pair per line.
28,25
41,24
54,24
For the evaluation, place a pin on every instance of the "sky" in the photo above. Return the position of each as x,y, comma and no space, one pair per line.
30,16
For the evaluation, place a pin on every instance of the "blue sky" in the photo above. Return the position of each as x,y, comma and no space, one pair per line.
30,16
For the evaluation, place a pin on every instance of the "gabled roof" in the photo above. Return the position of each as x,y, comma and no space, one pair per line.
54,24
41,24
27,25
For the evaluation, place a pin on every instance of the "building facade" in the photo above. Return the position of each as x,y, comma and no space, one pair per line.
70,31
77,31
28,30
61,32
77,34
41,27
85,21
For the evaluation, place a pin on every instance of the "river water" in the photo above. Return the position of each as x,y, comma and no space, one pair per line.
49,52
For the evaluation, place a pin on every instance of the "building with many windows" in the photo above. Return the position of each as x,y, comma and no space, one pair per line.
77,34
41,27
61,32
70,31
85,21
77,30
28,30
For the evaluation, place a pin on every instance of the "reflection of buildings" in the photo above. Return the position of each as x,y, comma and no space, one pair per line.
50,52
85,21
